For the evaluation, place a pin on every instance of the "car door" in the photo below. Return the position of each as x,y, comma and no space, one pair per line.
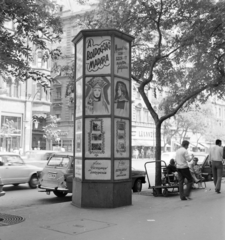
15,171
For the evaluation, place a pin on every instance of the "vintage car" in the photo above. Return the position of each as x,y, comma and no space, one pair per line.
38,158
207,169
57,176
13,170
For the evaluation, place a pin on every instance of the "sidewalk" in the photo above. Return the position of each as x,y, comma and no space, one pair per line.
155,218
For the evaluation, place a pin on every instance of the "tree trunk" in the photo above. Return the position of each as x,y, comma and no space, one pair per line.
158,155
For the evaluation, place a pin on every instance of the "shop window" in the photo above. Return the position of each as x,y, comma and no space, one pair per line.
10,139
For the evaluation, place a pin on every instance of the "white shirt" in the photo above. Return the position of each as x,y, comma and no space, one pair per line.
216,153
182,158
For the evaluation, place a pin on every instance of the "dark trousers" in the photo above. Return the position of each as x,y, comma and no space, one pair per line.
182,174
217,170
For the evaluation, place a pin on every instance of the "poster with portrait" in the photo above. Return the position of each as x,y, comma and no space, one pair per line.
98,137
79,59
122,138
78,96
78,138
97,96
121,169
121,58
121,98
78,168
97,169
98,55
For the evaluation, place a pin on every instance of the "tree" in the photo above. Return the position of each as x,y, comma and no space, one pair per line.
36,25
179,48
51,131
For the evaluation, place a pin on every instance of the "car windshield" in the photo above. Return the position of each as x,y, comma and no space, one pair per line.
59,161
12,159
38,156
201,158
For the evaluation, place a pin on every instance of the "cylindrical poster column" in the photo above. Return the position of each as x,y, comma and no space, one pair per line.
102,125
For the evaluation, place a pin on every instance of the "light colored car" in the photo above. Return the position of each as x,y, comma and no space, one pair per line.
13,170
38,158
57,176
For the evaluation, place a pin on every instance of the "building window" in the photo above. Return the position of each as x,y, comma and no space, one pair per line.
145,116
72,117
9,89
38,92
138,95
58,93
58,116
16,90
138,114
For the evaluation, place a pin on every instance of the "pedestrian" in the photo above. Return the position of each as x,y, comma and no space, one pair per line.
136,153
216,161
142,153
182,158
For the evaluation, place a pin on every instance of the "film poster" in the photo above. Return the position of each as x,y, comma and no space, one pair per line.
122,138
121,169
98,55
98,140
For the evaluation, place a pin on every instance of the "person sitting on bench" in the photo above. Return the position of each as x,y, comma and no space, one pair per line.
195,170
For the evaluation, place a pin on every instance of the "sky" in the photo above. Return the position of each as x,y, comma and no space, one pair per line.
74,6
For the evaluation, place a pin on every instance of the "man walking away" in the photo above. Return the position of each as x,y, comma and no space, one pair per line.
216,160
182,158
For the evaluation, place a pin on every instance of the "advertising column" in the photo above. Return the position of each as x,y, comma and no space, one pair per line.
102,169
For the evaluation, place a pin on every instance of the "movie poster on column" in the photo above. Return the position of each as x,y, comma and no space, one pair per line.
79,98
98,55
121,97
78,138
97,137
98,95
121,58
121,169
78,168
79,59
122,138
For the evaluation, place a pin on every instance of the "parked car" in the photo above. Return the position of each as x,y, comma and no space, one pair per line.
13,170
38,158
207,169
57,176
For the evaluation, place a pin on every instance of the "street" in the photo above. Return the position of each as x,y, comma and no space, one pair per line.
22,197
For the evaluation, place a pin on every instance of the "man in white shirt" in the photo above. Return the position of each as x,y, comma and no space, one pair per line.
216,160
182,158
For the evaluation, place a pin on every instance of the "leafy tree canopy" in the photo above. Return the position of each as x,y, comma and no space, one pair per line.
36,24
178,48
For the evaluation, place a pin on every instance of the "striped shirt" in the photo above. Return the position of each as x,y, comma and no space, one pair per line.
182,158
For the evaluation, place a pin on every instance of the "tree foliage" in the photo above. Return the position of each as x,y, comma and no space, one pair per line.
51,130
178,48
36,25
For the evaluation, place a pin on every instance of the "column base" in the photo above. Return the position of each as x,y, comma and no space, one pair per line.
101,195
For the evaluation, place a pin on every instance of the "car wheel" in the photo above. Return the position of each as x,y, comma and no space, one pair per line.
137,186
33,181
60,194
209,177
155,193
16,184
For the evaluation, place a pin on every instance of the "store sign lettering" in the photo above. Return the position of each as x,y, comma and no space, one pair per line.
146,134
97,55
